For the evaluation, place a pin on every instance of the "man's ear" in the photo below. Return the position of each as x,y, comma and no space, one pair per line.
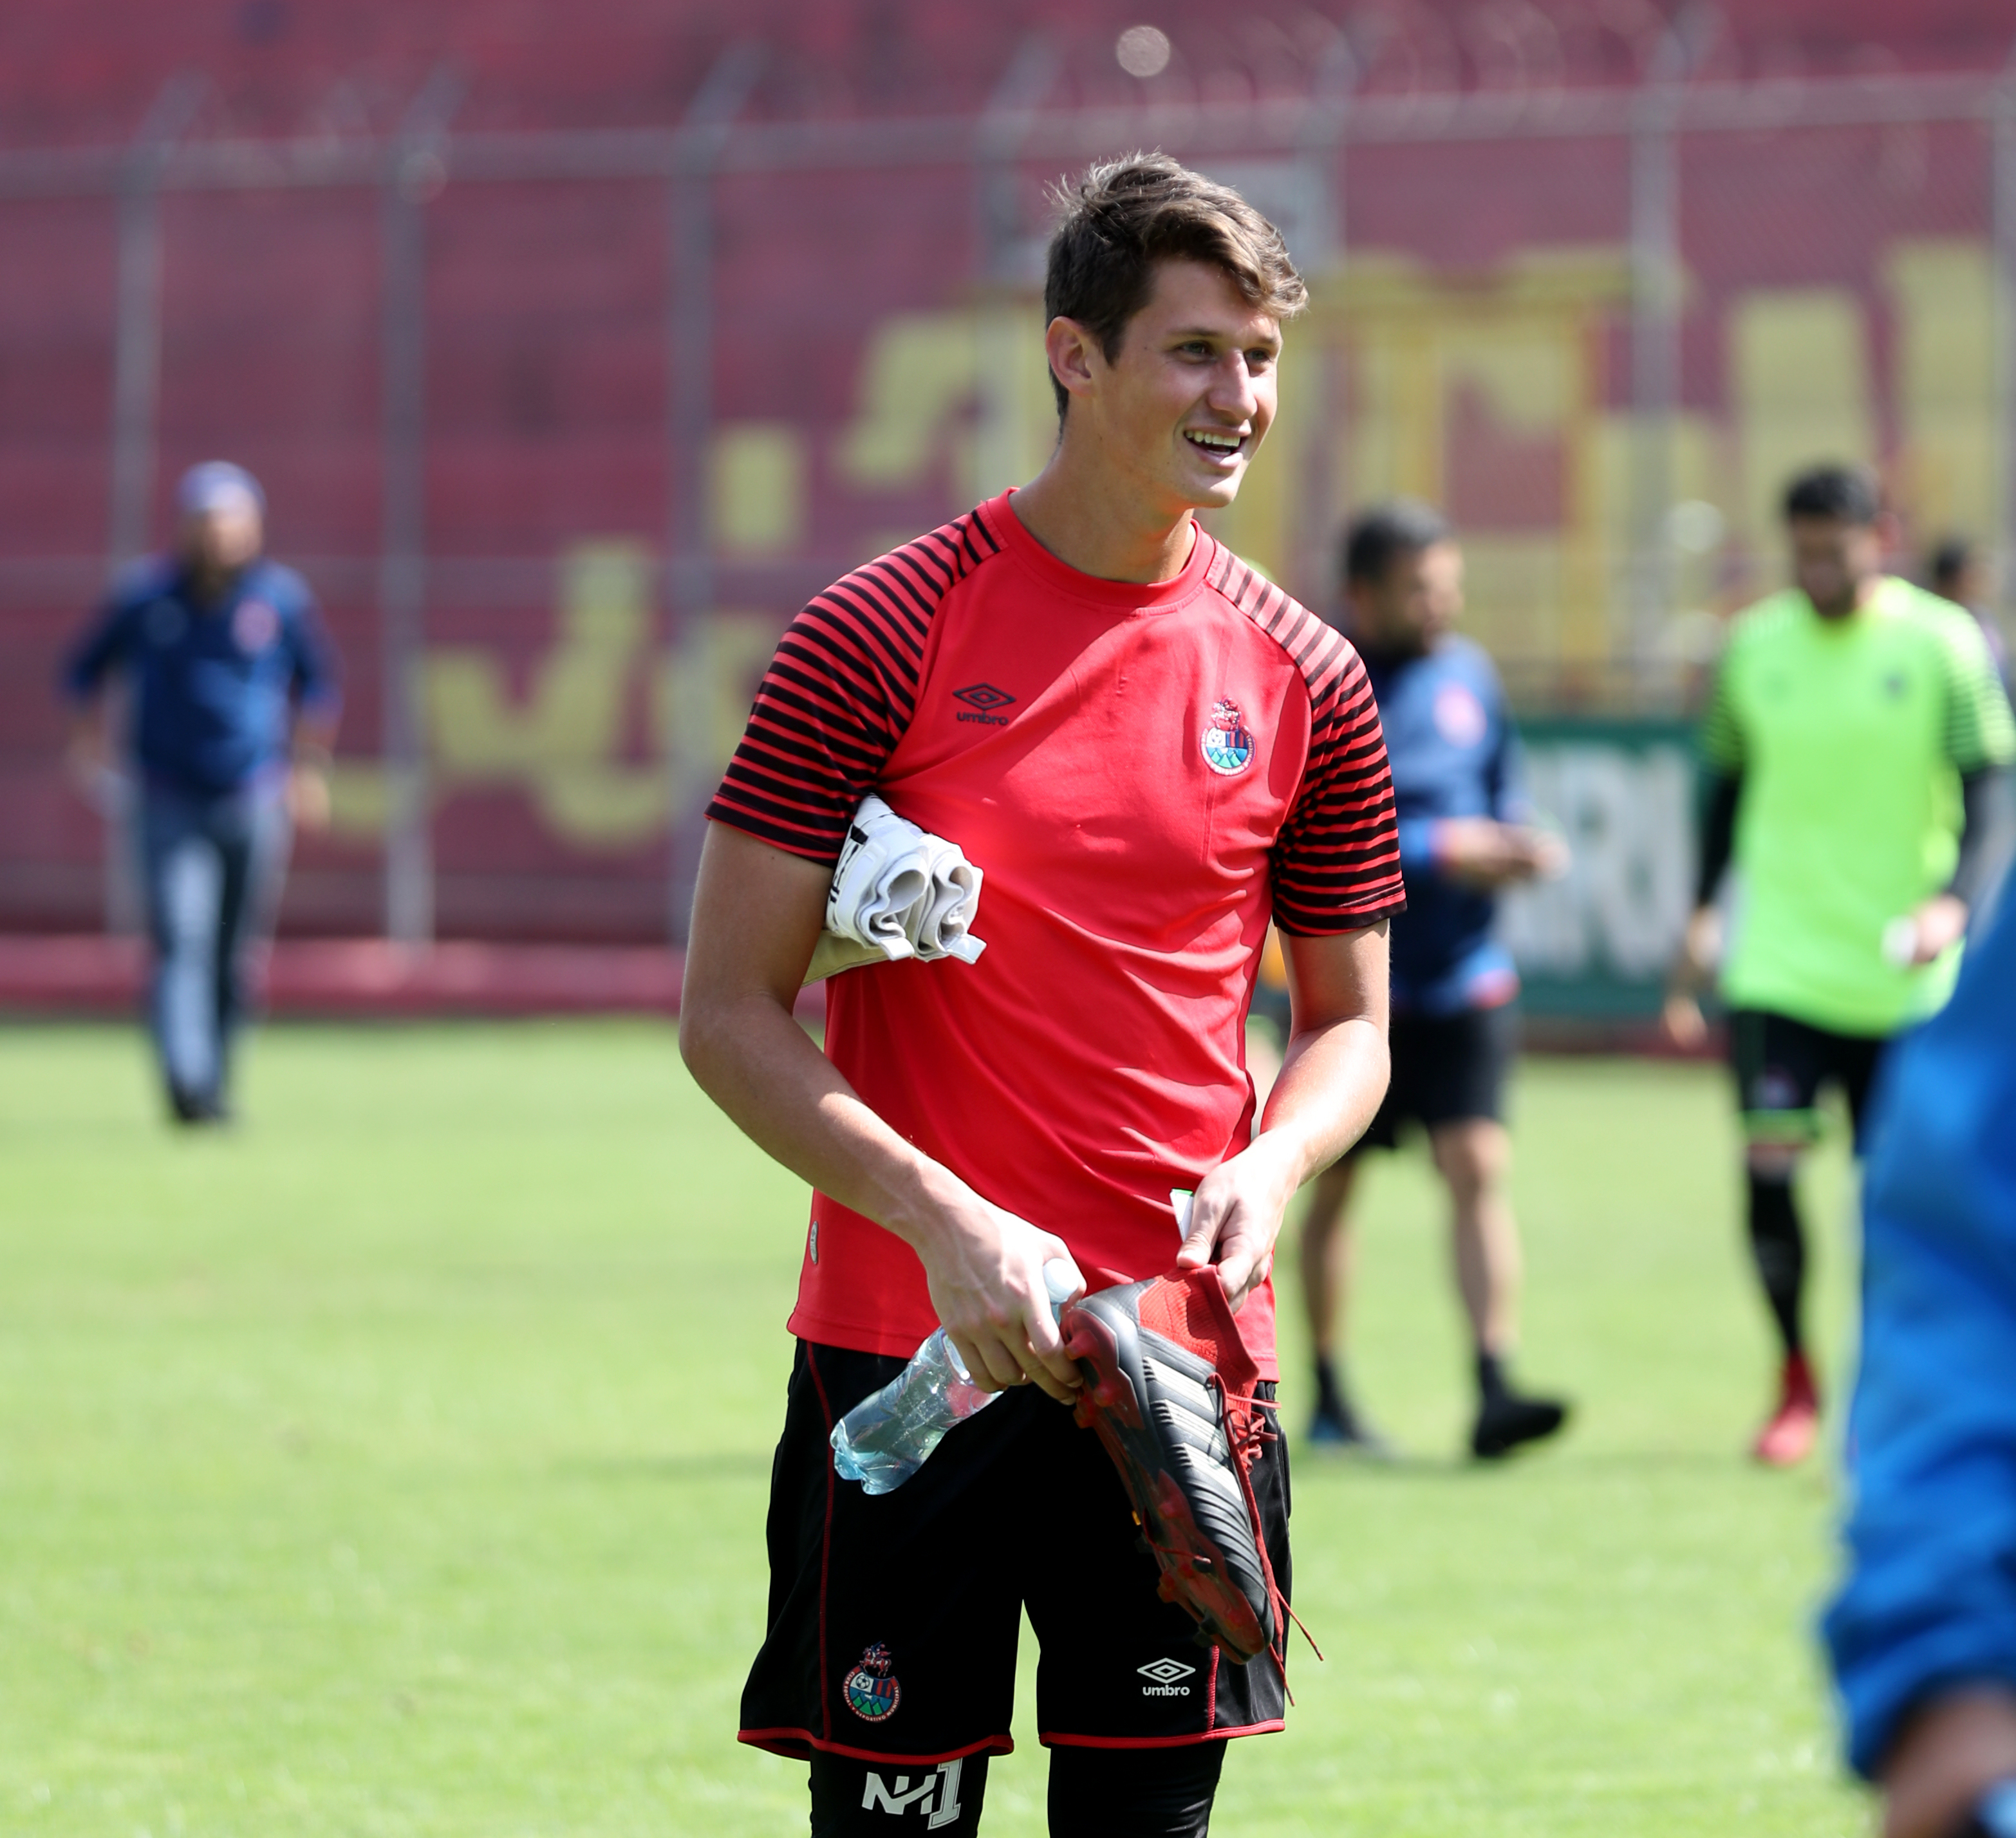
1074,355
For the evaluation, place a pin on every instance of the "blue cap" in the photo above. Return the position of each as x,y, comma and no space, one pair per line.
214,485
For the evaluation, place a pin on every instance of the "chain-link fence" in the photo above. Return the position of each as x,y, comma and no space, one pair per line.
562,425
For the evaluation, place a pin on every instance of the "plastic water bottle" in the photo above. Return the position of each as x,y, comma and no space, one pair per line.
887,1436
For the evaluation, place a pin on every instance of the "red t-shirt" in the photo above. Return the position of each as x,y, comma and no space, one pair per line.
1144,775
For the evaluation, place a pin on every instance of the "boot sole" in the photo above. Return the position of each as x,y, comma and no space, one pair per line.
1196,1576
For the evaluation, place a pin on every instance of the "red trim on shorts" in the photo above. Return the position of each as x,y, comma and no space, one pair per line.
826,1537
1052,1739
792,1743
1211,1690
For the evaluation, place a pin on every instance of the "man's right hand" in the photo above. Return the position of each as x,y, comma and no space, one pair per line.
88,757
985,1267
1482,853
1945,1757
1694,969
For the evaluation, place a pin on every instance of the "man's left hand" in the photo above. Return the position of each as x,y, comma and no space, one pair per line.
1936,925
1236,1217
308,796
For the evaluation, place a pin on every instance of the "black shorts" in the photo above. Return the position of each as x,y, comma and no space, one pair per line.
1446,1069
1781,1065
894,1620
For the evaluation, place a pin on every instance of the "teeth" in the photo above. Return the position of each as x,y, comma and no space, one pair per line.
1217,443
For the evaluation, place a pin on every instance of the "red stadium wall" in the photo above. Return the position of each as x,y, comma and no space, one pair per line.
1474,343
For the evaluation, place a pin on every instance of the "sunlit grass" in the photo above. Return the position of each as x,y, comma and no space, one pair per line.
395,1464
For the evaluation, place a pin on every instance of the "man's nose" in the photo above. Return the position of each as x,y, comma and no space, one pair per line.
1234,388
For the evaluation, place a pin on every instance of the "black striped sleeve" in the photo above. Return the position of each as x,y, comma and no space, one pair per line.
839,692
1336,859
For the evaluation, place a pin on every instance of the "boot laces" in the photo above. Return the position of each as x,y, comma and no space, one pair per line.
1247,1431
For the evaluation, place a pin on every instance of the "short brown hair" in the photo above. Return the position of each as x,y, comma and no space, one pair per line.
1121,217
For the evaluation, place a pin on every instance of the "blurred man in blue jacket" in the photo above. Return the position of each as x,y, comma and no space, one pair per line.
1465,834
1923,1635
232,708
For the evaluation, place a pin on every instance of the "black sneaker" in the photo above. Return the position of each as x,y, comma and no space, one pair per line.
1507,1421
1170,1394
188,1106
1346,1433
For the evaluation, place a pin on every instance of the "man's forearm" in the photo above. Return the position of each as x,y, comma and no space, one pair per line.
1331,1081
756,921
754,1060
315,741
1981,794
1717,834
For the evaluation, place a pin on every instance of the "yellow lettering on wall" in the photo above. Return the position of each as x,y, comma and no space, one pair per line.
1947,473
562,744
757,488
966,391
1800,368
1527,340
917,377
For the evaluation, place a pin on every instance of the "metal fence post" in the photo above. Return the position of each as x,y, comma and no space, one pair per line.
688,452
136,366
1655,350
2002,323
1323,474
1001,431
414,174
137,348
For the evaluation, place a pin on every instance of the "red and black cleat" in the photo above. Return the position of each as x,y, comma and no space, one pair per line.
1170,1393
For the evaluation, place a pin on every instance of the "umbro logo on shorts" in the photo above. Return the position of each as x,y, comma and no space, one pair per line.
936,1795
981,699
1166,1674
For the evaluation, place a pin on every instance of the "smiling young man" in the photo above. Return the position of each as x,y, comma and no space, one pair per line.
1149,751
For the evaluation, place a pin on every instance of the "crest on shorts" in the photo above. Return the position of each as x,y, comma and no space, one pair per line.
872,1691
1228,747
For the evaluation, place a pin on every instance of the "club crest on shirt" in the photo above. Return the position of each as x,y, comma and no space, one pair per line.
1228,747
872,1691
253,626
1460,717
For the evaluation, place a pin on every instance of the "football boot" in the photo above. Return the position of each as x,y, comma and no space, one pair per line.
1169,1391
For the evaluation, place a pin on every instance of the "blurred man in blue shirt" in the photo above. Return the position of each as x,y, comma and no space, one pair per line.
1923,1633
232,705
1464,834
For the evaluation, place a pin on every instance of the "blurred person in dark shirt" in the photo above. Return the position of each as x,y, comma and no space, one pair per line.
1958,571
231,705
1466,832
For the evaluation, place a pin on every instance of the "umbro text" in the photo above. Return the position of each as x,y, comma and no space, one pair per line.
981,699
1165,1672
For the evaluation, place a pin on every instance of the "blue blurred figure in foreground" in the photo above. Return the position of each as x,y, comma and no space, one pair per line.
232,710
1923,1633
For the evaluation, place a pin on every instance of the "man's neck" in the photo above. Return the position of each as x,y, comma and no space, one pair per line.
1865,591
1391,647
207,586
1091,521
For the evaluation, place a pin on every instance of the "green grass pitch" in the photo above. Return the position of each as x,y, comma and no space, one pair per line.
395,1464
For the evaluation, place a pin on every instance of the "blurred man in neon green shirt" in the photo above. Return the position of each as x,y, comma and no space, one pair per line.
1854,731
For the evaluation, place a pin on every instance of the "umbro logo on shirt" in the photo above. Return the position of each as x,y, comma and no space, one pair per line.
981,699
